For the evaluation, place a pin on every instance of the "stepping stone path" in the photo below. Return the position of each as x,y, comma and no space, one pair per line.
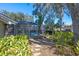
41,49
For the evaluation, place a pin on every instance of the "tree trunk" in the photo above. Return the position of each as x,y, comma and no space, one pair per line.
75,24
75,20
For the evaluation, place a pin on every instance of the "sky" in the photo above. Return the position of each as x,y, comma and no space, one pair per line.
17,7
67,20
27,9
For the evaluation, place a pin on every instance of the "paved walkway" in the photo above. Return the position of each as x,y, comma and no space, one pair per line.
42,47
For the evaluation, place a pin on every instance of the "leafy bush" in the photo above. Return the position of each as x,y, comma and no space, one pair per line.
15,46
63,42
64,38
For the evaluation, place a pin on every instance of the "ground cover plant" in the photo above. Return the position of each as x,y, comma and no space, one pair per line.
15,46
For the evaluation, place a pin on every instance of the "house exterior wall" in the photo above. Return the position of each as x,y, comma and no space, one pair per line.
2,29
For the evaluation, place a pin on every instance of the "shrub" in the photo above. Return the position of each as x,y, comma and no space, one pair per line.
63,42
15,46
62,38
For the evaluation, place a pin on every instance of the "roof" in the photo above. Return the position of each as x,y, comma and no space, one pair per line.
26,22
6,19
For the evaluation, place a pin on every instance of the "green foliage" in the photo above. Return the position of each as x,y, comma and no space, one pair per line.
63,42
40,21
17,16
15,46
63,37
76,48
48,13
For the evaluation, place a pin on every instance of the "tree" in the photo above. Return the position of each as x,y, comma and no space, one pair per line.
58,10
13,16
17,16
74,11
20,16
38,14
49,24
42,12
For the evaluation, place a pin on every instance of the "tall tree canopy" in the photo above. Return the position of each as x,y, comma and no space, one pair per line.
17,16
56,11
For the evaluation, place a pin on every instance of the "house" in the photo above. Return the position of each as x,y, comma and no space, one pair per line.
11,27
5,22
25,27
68,28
